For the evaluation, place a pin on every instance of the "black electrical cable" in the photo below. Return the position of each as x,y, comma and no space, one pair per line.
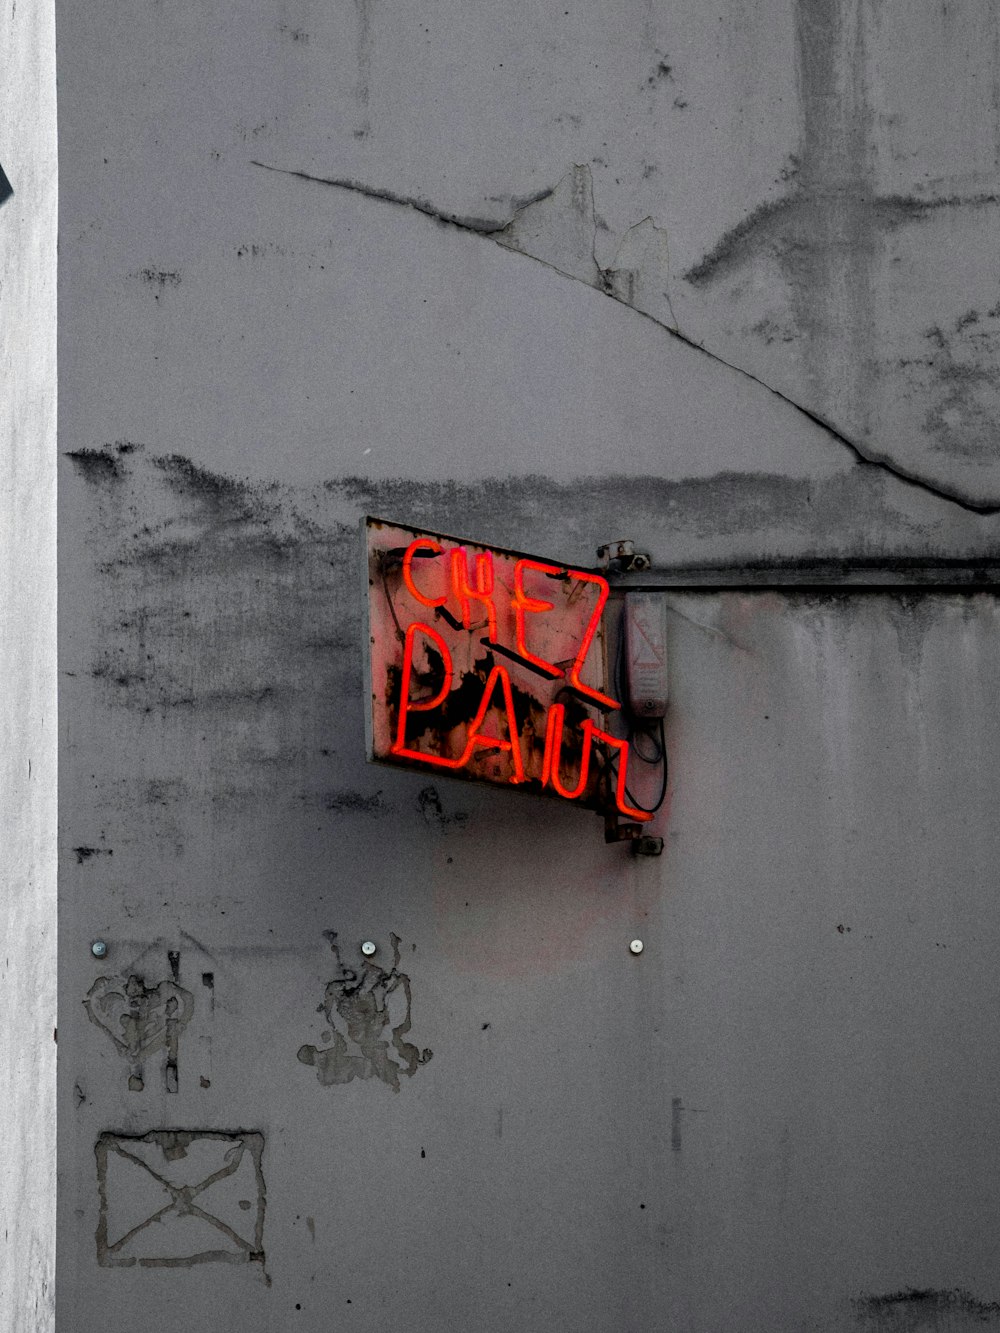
657,756
636,730
664,779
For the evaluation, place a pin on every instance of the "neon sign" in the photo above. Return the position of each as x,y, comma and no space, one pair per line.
490,666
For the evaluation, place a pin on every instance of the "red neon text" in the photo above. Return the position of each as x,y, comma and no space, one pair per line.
481,590
550,764
482,600
474,737
574,672
522,603
479,586
426,544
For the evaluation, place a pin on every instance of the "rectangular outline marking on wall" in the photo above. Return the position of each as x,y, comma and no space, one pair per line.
154,1162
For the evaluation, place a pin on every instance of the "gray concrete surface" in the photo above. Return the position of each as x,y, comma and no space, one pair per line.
28,666
716,278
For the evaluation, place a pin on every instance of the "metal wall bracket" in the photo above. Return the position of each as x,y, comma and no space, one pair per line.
642,844
621,557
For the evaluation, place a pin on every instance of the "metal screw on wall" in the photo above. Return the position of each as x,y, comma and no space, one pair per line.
635,946
98,948
368,948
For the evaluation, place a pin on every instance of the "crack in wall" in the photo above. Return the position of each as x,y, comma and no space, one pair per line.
837,275
537,228
481,226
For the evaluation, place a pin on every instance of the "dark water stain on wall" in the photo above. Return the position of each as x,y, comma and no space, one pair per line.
823,233
95,465
365,14
960,378
925,1310
85,854
826,274
224,614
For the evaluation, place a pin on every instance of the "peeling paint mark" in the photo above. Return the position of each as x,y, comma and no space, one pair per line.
559,229
639,275
141,1020
360,1009
166,1198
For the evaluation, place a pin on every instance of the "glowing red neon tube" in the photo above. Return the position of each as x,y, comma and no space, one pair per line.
574,672
426,544
550,762
479,591
522,603
474,737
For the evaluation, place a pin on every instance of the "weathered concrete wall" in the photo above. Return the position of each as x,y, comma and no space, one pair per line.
28,664
542,277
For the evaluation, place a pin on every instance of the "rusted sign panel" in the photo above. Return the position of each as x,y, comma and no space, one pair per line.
492,666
